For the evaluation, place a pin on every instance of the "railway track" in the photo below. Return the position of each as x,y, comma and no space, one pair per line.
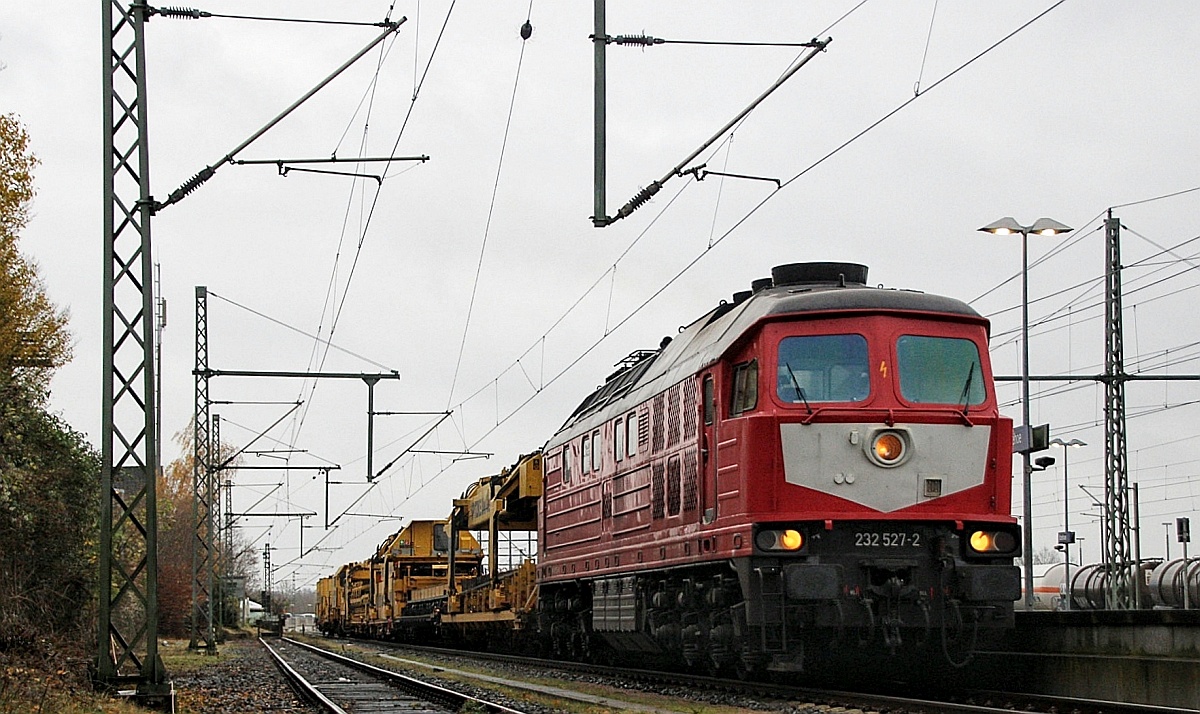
958,702
339,684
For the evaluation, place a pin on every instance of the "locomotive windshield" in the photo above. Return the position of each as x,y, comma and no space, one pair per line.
939,370
823,368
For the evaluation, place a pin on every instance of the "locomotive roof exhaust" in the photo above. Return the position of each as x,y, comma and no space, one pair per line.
812,274
825,273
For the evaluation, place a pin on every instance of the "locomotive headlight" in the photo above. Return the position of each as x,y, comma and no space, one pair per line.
993,542
777,540
888,447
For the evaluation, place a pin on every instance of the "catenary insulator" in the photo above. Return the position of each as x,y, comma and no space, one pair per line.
642,196
183,13
643,40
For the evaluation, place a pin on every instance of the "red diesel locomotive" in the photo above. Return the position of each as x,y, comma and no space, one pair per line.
816,464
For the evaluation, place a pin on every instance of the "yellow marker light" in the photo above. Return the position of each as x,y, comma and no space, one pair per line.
791,540
981,542
889,447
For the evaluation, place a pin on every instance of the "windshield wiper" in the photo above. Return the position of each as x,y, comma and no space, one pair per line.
965,397
797,387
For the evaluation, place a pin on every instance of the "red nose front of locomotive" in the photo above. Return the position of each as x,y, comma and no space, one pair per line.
883,417
875,448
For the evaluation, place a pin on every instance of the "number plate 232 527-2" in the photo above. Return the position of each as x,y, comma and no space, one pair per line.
887,539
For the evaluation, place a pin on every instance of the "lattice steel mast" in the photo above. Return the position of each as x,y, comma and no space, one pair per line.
1116,481
128,559
205,497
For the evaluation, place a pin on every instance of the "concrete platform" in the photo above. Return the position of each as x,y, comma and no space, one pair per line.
1143,656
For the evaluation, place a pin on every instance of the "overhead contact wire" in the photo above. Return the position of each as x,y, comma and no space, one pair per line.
331,288
297,330
379,187
488,223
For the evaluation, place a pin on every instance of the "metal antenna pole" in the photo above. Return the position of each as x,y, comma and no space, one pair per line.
203,458
1116,486
127,622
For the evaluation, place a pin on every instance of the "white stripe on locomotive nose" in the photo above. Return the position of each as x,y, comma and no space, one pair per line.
825,457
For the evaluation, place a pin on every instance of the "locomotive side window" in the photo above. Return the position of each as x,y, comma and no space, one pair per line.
745,387
597,453
710,400
823,368
566,462
618,440
939,370
631,434
587,455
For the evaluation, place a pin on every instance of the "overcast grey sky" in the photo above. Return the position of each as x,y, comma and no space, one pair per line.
1091,106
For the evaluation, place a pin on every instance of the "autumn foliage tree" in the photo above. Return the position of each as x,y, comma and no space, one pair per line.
33,332
48,472
176,533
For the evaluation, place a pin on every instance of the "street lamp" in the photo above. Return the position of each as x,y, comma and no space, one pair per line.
1067,536
1043,227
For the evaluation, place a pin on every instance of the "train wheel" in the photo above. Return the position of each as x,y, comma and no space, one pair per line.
577,646
750,667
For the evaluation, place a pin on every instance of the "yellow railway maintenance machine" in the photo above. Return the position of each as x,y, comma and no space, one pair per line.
400,592
503,600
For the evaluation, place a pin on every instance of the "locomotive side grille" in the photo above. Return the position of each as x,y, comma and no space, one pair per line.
690,416
690,493
659,425
673,474
658,491
643,425
673,426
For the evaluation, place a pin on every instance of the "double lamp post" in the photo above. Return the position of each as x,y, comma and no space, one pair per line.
1041,227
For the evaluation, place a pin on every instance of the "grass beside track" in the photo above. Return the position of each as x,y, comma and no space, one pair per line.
34,685
54,683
